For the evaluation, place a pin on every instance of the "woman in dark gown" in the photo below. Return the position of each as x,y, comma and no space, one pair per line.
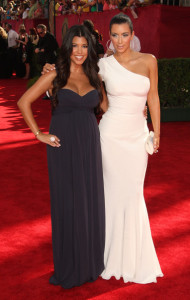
74,160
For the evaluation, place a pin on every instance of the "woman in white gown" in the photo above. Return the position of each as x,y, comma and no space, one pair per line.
131,80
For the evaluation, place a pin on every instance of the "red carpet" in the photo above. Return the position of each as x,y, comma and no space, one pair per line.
25,232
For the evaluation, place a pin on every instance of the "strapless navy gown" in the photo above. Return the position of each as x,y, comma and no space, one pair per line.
76,190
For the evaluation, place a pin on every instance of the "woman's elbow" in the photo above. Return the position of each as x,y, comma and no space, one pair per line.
153,101
19,103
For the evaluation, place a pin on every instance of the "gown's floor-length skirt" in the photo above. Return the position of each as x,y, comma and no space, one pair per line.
129,249
77,192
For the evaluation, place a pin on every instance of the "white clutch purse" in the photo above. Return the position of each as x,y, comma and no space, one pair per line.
149,145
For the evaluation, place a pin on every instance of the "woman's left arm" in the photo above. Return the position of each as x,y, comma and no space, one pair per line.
153,100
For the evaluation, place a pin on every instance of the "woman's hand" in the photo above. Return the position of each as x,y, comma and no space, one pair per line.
156,143
47,68
49,139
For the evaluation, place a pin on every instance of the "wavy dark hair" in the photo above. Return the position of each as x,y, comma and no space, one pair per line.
63,63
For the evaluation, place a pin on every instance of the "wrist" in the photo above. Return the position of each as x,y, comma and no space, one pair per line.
37,133
156,134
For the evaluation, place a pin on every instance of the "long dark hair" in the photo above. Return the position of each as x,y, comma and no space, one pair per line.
90,66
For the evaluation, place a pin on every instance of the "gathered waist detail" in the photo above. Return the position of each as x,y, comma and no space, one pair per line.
123,114
70,109
127,106
118,124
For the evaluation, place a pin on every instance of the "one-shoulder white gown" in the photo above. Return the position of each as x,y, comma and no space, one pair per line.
129,249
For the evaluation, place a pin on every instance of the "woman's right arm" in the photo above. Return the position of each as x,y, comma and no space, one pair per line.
25,102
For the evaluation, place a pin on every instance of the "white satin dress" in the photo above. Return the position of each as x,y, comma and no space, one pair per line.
129,249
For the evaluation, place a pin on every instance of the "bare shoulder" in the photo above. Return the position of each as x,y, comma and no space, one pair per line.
149,59
43,84
46,79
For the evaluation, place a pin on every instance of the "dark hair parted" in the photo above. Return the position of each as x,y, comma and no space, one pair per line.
121,18
90,66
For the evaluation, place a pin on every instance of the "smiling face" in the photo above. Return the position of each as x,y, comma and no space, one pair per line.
80,50
121,37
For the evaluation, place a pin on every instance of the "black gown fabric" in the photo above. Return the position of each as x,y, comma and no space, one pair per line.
76,189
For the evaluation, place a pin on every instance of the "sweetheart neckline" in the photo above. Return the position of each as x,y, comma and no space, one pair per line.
78,94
